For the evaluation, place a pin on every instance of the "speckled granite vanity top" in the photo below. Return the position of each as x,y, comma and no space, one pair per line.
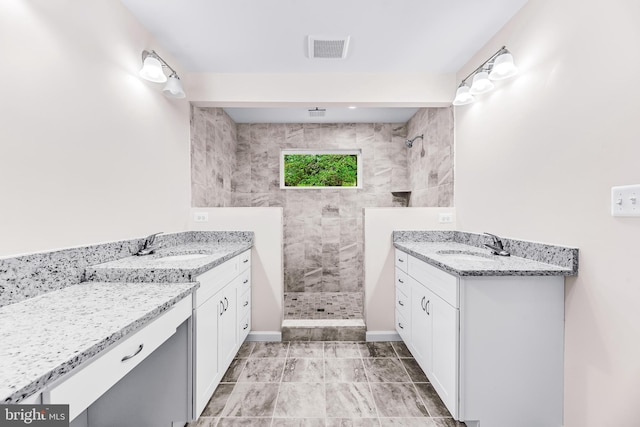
156,268
463,254
47,336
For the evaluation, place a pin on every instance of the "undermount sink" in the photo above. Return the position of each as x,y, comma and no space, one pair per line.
466,255
186,257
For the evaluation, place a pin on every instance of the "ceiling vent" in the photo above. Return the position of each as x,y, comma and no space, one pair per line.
328,47
317,112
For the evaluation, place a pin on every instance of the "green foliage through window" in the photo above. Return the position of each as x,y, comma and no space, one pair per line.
320,170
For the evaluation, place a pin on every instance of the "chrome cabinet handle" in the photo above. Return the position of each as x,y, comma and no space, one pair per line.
400,280
124,359
245,282
246,325
401,303
422,303
400,325
221,308
400,260
426,307
245,261
227,303
246,303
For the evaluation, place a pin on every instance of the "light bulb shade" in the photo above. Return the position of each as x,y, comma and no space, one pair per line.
463,97
481,84
503,67
152,70
173,88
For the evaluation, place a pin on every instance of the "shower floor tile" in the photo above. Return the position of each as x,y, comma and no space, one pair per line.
323,305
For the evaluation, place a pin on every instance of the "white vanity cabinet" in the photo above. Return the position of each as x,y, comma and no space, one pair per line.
224,295
93,393
491,346
432,334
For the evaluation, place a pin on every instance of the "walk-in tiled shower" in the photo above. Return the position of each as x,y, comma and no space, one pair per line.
323,242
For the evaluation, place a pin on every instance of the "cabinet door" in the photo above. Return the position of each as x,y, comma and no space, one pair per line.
421,325
206,361
444,361
227,327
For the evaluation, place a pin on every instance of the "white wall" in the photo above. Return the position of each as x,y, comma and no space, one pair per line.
266,257
535,160
379,261
326,89
89,152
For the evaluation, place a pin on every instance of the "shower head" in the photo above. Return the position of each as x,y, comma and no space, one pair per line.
409,142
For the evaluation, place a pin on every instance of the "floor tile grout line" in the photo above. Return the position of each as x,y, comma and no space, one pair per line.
341,345
232,390
275,405
415,388
375,405
324,384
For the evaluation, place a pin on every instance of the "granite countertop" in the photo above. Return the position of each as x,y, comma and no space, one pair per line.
485,264
47,336
152,268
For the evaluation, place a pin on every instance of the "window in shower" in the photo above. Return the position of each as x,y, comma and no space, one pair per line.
320,169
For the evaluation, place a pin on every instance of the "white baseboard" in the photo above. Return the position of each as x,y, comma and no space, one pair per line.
256,336
383,336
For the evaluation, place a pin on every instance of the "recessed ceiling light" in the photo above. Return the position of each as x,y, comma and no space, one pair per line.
352,107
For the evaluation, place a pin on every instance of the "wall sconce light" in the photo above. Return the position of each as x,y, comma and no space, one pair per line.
498,67
152,70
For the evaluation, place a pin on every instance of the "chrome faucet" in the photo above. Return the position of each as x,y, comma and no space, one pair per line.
496,247
148,246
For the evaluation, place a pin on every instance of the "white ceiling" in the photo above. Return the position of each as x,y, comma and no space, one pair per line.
270,36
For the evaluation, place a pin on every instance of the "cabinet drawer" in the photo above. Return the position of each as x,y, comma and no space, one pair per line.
245,260
244,282
401,260
213,280
80,390
244,304
440,283
402,303
244,327
402,281
403,327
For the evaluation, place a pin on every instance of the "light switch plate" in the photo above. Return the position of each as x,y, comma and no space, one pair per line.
201,217
625,200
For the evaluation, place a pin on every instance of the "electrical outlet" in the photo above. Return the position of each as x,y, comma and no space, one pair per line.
201,217
445,218
624,200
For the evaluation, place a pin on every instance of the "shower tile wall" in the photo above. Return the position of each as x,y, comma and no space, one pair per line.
213,157
239,165
323,238
431,175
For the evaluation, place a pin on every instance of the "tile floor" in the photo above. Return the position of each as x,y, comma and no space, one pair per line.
325,384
